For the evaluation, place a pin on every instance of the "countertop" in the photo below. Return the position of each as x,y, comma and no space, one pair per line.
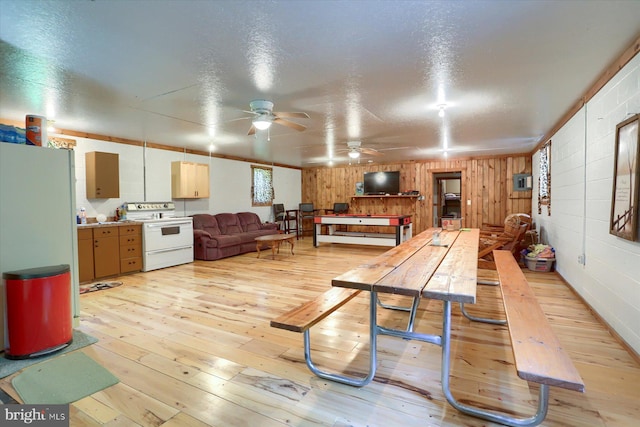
107,224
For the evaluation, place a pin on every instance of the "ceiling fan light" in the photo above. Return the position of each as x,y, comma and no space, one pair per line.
354,154
261,123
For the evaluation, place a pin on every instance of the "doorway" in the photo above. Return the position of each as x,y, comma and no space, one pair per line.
447,196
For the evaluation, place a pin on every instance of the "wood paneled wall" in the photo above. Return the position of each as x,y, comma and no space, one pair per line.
486,182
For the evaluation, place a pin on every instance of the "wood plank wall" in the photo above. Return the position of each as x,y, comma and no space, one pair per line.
486,182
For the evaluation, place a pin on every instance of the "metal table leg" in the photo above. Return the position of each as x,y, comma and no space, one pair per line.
352,381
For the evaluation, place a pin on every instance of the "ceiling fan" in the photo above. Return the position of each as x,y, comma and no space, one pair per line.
355,149
264,116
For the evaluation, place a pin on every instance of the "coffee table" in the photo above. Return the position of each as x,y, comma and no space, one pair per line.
274,240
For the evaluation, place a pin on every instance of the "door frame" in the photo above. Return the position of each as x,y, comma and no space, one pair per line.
437,176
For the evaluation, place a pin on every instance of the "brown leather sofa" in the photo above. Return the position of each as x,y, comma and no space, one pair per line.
227,234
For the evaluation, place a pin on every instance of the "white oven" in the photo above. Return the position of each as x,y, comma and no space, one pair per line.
166,240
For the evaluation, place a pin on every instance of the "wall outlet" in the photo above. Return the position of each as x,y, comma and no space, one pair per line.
581,259
468,202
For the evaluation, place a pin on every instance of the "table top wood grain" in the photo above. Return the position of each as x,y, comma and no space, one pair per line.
417,268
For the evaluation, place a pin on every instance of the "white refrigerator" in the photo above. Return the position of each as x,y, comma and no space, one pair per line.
37,214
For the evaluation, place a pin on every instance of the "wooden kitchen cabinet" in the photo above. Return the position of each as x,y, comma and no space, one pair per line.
189,180
85,255
102,175
130,248
106,251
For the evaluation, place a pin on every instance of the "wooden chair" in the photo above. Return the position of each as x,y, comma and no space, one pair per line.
508,238
496,228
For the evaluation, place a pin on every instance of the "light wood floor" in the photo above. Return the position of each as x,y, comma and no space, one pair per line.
192,346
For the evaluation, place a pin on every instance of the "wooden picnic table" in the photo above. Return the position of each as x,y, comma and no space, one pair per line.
448,272
417,268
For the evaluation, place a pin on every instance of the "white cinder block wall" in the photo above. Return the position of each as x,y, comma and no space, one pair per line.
145,175
582,156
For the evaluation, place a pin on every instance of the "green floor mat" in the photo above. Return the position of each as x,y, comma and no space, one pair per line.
64,379
80,339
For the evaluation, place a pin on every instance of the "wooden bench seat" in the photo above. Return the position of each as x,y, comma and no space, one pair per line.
301,318
538,355
536,350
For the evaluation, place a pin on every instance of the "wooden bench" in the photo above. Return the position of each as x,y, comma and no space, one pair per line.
537,352
301,318
538,355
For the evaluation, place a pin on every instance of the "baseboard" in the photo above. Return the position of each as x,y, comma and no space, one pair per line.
611,330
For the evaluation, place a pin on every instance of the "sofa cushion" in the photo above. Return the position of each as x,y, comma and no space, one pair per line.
249,221
207,223
224,241
228,223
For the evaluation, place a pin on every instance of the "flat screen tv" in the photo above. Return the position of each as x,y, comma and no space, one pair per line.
381,182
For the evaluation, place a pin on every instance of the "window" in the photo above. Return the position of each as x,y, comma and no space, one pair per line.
262,186
544,180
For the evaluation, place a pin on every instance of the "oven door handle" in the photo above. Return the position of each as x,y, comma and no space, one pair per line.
160,251
168,224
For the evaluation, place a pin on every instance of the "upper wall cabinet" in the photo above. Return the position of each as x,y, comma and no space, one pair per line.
189,180
103,175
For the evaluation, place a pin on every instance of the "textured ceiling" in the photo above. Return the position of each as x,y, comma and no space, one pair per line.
182,72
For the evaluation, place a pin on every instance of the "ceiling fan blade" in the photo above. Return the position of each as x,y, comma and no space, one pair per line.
287,123
252,130
291,115
371,151
239,118
397,148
